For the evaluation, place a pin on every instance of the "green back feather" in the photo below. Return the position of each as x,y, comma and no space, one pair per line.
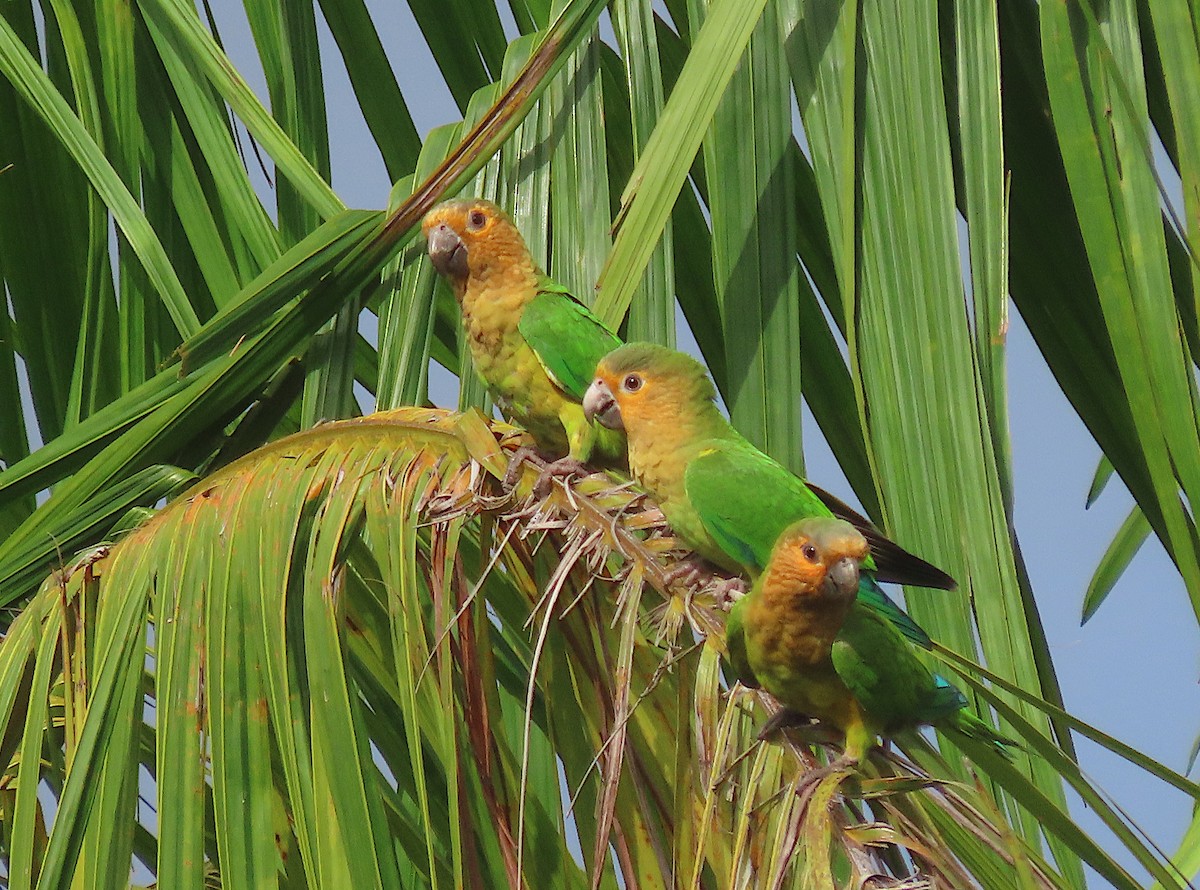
745,500
883,672
566,338
871,595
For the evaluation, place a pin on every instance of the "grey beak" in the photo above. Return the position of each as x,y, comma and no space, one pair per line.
843,576
600,406
447,251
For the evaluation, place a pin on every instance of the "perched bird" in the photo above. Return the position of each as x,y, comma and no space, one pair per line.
802,635
533,343
724,498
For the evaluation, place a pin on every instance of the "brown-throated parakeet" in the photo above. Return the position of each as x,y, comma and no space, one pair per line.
804,636
724,498
533,343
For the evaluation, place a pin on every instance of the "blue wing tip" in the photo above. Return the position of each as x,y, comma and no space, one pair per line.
951,691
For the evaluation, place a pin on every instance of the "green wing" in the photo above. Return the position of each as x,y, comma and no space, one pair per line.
871,595
883,672
566,338
745,499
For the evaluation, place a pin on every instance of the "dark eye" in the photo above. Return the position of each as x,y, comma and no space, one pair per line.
631,383
476,219
810,552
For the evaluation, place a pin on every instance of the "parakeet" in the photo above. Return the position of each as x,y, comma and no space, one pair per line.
802,635
533,343
723,497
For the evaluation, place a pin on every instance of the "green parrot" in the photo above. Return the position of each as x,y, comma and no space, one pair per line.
723,497
804,636
533,343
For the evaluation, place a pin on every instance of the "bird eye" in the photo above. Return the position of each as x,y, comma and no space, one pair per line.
631,383
810,552
475,220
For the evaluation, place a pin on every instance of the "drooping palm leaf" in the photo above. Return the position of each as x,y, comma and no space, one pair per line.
348,658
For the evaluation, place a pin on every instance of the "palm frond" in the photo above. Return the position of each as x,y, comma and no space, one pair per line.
353,633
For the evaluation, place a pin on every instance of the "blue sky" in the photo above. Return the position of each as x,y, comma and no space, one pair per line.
1132,670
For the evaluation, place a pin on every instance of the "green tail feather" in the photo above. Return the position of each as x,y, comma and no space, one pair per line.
967,724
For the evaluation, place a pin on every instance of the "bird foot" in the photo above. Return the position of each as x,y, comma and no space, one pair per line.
696,575
800,728
728,591
784,719
523,455
693,571
563,468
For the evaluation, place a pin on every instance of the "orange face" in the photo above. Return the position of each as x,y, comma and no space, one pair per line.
818,557
470,237
641,384
618,399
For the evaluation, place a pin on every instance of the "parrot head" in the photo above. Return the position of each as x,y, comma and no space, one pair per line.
469,237
640,385
818,557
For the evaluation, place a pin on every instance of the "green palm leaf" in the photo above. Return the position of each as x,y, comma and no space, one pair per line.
353,660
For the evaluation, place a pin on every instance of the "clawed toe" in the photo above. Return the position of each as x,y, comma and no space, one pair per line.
548,470
729,590
520,457
563,468
696,575
692,572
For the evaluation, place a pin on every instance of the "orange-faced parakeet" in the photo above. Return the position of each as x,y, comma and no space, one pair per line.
723,497
533,343
803,635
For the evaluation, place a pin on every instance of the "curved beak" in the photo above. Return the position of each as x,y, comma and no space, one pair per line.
600,406
447,251
843,577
